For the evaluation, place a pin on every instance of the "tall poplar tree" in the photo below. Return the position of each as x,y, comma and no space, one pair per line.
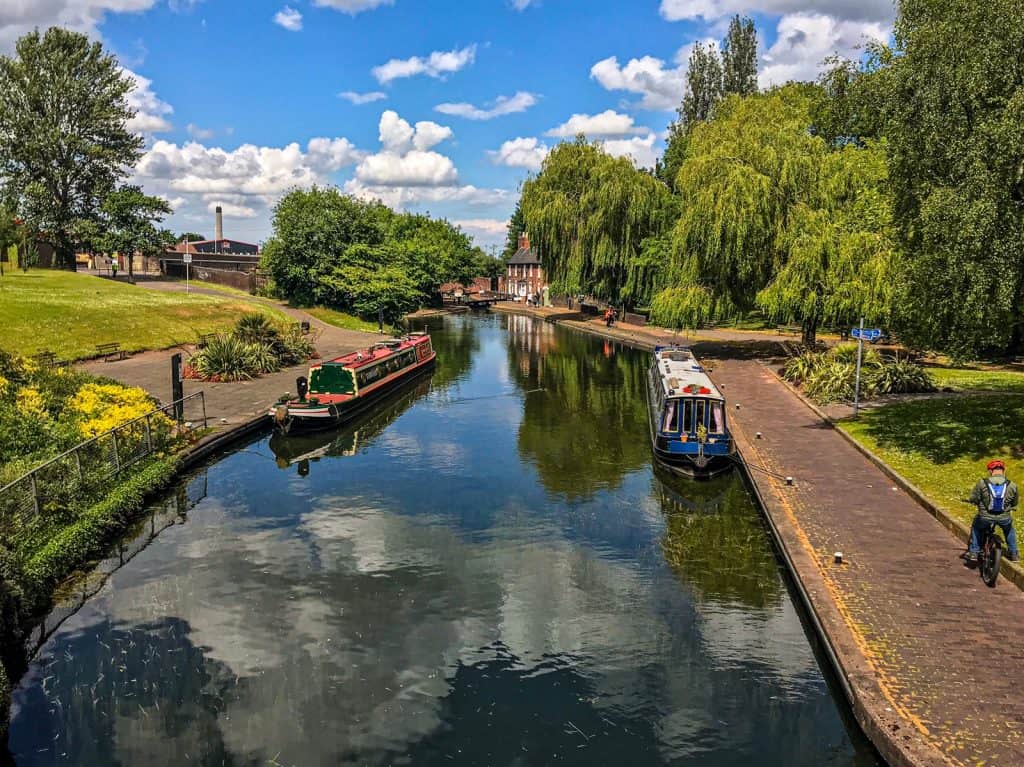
703,85
739,58
64,143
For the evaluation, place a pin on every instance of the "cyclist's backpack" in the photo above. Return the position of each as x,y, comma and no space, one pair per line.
998,493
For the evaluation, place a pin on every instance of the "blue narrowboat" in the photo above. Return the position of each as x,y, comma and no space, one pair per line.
689,433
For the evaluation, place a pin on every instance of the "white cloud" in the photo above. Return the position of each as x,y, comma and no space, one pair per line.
289,18
150,111
362,98
607,123
437,64
396,135
400,197
503,105
332,154
487,226
200,134
18,17
231,210
711,10
352,7
520,153
640,150
805,40
660,85
405,159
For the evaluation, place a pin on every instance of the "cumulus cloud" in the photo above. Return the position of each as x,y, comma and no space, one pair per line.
805,40
362,98
607,123
437,64
150,112
711,10
397,135
352,7
660,85
22,16
520,152
401,197
640,149
503,105
289,18
488,226
200,134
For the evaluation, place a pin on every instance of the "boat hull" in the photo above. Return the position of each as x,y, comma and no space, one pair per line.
303,420
693,466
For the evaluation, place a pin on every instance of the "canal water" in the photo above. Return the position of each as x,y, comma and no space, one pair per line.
487,571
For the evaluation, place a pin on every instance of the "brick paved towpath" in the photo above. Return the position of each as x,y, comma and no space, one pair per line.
933,658
233,404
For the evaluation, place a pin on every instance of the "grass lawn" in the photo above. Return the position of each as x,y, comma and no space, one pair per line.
942,445
978,380
342,320
70,314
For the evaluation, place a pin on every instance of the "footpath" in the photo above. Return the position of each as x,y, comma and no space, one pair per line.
229,406
929,657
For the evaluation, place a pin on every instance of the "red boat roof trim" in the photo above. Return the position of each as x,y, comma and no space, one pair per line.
376,353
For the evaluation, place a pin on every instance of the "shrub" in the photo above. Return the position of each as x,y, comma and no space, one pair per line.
98,408
901,377
847,353
264,358
798,369
833,382
256,328
225,358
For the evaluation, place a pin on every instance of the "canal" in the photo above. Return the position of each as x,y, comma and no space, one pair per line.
487,571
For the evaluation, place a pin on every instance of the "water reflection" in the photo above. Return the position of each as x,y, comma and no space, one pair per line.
443,595
587,429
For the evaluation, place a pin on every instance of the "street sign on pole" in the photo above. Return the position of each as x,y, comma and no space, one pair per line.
858,333
187,260
866,334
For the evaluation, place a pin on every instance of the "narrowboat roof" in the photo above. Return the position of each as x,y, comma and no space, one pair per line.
363,357
681,375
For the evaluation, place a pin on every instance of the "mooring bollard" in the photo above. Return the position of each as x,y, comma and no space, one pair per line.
757,436
838,557
789,480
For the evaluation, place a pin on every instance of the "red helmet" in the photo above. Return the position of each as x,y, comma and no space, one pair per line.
996,464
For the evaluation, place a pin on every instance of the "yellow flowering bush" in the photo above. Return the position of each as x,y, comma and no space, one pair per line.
30,403
5,386
98,408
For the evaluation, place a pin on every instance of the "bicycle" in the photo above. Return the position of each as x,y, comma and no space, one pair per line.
991,555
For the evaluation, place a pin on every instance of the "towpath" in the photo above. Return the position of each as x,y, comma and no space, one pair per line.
930,656
228,405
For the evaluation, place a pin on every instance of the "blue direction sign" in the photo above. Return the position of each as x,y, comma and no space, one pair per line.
868,334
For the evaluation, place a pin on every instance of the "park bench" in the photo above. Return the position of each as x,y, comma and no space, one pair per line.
205,339
45,358
791,329
110,350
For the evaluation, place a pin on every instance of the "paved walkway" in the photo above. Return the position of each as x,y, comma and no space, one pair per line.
235,403
932,656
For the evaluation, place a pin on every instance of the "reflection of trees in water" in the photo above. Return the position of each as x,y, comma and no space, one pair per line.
588,428
715,540
348,439
148,679
456,341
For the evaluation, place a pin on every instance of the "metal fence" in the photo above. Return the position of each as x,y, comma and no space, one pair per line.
79,477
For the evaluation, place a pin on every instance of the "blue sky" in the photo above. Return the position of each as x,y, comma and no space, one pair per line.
443,106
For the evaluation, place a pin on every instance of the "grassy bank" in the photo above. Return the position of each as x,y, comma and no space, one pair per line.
942,445
70,314
342,320
963,379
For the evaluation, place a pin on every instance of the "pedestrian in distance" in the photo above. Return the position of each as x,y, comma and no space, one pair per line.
113,268
995,497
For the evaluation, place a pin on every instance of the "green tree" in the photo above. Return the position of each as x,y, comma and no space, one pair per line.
190,236
8,234
588,214
516,226
739,58
772,217
369,290
64,145
954,97
129,220
703,85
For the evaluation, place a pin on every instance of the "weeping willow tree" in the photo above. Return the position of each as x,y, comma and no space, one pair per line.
589,213
769,214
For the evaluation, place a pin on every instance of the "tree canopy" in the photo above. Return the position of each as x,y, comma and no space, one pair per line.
588,214
129,220
64,143
331,249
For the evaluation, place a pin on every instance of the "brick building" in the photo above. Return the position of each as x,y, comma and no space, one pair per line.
524,275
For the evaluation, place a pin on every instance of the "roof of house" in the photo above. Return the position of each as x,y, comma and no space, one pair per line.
525,256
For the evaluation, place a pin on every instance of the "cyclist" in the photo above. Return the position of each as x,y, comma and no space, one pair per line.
996,497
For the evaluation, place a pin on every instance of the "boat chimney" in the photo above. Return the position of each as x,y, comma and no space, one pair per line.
218,234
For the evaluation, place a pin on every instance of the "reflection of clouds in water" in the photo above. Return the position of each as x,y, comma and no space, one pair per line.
442,455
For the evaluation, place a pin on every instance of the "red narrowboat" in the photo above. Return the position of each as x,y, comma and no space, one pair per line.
338,390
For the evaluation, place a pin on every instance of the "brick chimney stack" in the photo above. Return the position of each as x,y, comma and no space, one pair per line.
218,225
524,241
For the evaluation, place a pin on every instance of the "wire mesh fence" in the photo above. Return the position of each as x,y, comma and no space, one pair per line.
78,478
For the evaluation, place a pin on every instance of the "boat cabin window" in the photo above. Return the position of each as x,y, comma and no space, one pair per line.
671,421
330,379
716,421
688,416
701,420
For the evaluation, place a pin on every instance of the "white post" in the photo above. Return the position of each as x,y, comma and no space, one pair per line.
187,265
860,353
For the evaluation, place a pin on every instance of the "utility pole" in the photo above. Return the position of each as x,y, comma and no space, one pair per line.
187,264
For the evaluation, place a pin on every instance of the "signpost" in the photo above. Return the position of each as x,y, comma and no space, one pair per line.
187,260
862,334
